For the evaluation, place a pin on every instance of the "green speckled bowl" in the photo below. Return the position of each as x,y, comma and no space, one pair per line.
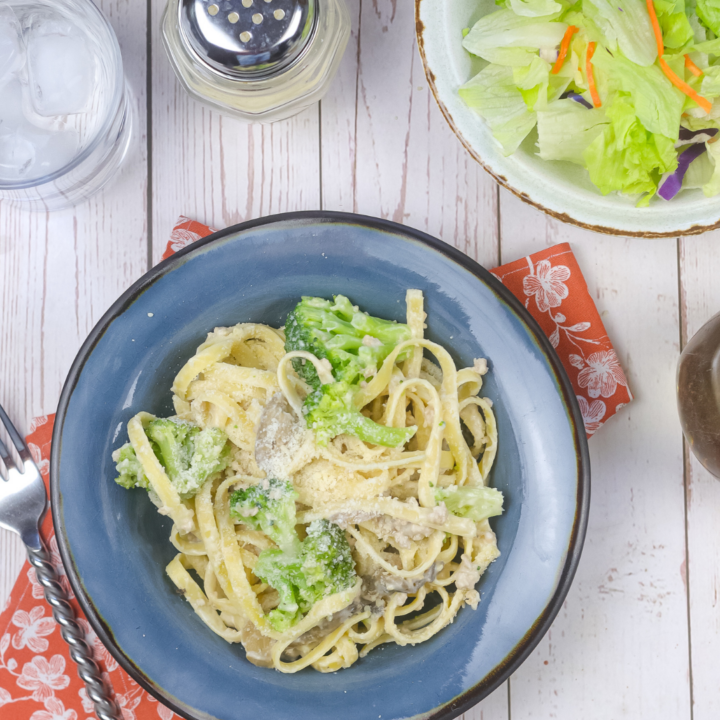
560,189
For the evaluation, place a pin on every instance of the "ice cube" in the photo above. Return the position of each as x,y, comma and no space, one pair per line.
17,155
52,155
28,152
12,56
11,101
61,71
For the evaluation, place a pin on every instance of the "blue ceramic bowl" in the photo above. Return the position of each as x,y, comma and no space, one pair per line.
115,546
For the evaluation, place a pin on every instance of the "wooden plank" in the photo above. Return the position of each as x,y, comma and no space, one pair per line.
59,272
619,647
394,155
700,300
387,152
217,169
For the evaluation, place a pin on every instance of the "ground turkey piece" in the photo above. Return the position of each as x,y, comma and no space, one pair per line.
380,585
279,438
323,628
467,575
401,531
257,646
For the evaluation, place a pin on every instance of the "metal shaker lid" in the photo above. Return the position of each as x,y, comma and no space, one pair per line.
247,39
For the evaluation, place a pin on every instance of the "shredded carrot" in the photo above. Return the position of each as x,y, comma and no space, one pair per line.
590,75
564,47
681,85
656,29
692,67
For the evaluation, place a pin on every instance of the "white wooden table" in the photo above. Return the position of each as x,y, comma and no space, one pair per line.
638,636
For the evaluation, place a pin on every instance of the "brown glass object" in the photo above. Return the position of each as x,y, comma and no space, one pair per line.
698,392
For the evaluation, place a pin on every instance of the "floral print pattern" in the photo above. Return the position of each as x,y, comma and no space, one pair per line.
602,374
547,285
54,710
44,676
34,626
592,413
42,463
37,588
186,231
555,294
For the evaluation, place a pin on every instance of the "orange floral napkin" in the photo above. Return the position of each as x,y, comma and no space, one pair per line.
39,681
552,288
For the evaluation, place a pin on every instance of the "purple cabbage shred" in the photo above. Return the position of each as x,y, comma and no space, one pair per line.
672,184
577,98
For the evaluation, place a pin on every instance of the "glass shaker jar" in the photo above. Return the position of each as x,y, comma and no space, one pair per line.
259,60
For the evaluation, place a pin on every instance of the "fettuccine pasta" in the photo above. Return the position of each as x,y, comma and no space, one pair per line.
384,542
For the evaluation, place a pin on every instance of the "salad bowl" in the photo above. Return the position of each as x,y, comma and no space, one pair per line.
560,189
115,546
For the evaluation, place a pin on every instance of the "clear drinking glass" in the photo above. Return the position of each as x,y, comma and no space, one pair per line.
65,119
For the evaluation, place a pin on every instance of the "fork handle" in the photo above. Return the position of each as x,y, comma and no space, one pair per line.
80,651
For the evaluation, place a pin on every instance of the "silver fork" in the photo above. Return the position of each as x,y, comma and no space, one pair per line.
23,504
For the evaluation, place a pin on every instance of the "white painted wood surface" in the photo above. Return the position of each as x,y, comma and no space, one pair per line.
639,634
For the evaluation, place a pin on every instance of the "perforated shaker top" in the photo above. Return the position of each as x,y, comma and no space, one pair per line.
247,39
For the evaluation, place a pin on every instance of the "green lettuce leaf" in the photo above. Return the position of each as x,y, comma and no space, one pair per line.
710,47
504,38
710,85
699,30
566,129
626,156
511,57
674,23
658,103
492,93
535,8
625,24
712,187
537,85
709,12
699,173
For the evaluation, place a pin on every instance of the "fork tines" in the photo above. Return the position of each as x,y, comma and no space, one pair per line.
17,441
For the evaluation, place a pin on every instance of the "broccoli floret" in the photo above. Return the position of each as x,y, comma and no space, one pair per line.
330,411
269,506
476,503
351,340
355,344
327,562
323,566
301,572
130,472
280,570
188,454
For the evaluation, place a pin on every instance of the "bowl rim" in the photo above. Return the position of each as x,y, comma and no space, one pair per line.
503,181
536,632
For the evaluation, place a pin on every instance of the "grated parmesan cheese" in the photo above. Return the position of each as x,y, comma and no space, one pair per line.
370,341
480,366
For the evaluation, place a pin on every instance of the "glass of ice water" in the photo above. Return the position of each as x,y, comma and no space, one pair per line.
65,120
